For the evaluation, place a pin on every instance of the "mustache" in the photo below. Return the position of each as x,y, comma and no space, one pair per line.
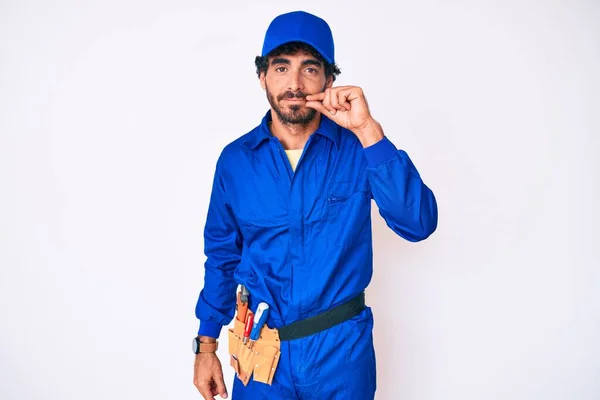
291,95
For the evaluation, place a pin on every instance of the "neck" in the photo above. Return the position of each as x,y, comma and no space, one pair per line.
293,136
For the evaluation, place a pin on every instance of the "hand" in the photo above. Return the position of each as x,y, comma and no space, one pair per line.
347,106
208,376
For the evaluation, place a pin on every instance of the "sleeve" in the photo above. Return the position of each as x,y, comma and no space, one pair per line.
405,202
215,307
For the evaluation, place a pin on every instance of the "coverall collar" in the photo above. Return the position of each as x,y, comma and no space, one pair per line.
327,128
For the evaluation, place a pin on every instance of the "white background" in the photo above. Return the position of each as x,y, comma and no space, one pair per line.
112,115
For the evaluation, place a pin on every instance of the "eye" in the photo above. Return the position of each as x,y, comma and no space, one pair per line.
311,70
280,69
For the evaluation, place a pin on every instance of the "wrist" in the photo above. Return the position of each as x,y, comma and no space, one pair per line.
370,133
204,344
207,339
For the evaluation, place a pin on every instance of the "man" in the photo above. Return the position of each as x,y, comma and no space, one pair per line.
290,219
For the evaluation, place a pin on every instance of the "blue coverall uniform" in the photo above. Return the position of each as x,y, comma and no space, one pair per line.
301,242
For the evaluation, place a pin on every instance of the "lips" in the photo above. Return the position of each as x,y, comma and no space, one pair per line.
293,97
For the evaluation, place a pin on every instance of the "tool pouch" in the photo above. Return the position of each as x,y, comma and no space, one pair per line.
260,360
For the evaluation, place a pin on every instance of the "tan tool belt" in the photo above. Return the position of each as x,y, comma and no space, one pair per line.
260,359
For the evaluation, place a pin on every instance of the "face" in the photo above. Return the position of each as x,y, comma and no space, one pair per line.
288,80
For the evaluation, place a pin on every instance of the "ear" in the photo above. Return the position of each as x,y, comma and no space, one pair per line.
262,81
329,82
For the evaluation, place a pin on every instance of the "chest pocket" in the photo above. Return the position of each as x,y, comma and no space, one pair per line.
258,206
348,212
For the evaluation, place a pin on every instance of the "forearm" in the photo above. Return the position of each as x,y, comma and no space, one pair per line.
216,303
406,203
223,248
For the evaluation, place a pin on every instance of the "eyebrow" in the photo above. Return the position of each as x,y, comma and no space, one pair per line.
310,61
280,61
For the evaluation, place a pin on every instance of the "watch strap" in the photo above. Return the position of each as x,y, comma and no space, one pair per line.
208,347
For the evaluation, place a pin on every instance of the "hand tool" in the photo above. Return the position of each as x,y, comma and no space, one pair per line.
248,328
245,294
242,307
260,317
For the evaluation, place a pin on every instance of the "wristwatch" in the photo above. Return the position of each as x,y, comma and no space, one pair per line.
199,347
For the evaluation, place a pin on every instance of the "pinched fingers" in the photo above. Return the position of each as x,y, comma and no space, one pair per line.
335,104
327,101
317,105
315,97
343,102
331,100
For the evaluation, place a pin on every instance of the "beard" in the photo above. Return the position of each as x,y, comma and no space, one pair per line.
295,114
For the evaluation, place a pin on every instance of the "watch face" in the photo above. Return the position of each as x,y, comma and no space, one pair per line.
195,345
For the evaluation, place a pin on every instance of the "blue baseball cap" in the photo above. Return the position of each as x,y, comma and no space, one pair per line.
300,26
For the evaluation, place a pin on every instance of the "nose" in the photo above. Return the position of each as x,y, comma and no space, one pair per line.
295,83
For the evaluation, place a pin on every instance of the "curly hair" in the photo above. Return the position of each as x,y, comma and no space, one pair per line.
262,62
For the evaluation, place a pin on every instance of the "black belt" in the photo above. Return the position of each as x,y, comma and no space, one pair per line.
323,321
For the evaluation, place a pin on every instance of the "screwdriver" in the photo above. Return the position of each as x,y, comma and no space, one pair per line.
260,317
248,328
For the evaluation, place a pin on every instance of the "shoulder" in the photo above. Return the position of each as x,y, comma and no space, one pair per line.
238,148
